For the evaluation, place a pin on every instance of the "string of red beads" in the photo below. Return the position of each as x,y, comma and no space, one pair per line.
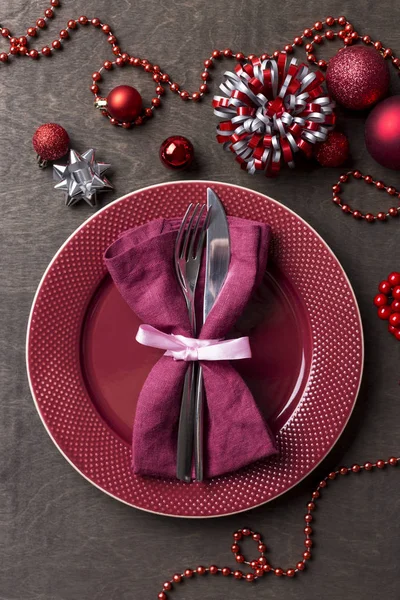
19,44
311,37
357,214
260,565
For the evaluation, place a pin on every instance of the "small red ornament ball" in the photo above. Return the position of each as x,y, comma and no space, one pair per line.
382,133
124,103
357,77
176,152
334,151
50,141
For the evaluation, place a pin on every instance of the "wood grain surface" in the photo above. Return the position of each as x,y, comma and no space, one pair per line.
61,538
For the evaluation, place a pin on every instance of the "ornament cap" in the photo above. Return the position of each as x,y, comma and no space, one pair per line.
42,162
101,103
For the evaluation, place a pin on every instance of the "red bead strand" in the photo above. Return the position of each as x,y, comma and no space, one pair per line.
260,566
356,213
310,38
313,36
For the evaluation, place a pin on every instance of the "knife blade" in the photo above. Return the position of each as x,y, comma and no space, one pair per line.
218,256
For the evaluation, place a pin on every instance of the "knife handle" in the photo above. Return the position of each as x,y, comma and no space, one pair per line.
184,452
199,427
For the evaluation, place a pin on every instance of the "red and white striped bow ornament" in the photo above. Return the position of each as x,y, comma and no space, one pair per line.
272,109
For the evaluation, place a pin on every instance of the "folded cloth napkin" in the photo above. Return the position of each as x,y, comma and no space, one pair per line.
141,265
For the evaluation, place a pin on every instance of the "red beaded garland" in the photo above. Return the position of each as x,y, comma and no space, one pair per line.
357,214
259,567
316,34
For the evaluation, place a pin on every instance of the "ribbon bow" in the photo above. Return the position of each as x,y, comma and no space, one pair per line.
185,348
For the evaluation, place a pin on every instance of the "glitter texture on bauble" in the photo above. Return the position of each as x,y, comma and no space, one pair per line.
50,142
357,77
334,151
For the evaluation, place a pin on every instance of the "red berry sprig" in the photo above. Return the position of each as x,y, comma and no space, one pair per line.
260,565
388,302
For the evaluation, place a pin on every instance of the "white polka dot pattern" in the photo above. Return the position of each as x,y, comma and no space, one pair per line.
98,453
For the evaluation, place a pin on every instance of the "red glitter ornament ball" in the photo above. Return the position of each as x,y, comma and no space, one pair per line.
357,77
50,142
124,103
176,152
334,151
382,133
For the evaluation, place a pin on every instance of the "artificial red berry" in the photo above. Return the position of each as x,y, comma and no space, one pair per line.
394,278
394,319
384,312
396,292
385,287
380,300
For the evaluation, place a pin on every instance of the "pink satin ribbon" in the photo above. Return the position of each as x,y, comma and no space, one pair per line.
186,348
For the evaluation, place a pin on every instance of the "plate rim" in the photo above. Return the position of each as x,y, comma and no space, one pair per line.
120,199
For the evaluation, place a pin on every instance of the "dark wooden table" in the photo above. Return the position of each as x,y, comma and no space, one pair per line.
61,538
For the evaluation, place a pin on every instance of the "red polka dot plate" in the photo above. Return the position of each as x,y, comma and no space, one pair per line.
86,369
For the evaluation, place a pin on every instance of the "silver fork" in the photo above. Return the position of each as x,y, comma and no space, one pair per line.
188,252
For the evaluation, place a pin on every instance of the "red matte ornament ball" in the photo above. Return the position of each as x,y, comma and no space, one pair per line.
382,133
176,152
50,141
357,77
124,103
334,151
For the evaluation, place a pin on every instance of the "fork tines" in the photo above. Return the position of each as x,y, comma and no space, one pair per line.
191,233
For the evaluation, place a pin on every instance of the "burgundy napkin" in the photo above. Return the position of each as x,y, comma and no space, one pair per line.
141,265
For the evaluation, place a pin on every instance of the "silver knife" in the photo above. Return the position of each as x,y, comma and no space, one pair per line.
218,256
